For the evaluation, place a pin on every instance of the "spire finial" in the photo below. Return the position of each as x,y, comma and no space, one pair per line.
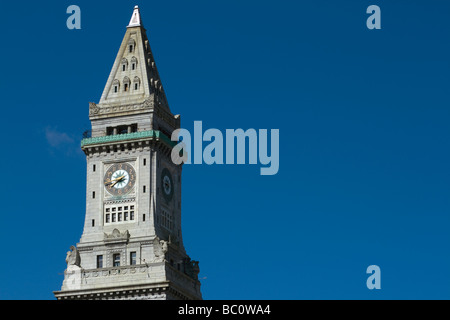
135,18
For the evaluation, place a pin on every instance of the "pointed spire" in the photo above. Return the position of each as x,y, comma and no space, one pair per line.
135,18
134,77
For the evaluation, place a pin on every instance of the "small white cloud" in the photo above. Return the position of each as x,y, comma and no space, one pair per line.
56,138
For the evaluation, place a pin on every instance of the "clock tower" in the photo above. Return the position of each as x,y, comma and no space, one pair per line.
132,245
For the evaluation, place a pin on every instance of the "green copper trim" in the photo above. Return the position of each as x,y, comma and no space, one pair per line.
152,134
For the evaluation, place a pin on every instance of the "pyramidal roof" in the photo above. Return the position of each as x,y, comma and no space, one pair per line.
134,77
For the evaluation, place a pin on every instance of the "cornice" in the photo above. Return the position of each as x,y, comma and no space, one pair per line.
126,137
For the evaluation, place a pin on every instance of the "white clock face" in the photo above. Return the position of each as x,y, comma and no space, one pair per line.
121,177
167,185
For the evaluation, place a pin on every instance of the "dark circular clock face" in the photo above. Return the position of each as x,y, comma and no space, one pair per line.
119,179
167,184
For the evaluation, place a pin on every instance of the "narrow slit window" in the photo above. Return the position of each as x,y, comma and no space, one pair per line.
132,258
116,259
99,261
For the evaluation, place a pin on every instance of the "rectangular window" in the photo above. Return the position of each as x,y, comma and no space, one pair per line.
93,168
100,261
145,162
93,194
116,259
93,222
132,258
143,189
132,213
167,219
118,214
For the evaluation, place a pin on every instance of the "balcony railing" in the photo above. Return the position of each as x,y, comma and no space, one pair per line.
151,134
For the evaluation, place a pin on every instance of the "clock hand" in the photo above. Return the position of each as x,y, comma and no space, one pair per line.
110,181
118,180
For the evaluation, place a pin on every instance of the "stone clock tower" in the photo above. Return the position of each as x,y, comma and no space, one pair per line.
132,245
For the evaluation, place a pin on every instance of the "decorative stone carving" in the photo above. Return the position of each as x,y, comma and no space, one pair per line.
191,268
160,248
73,257
117,236
93,108
106,109
72,275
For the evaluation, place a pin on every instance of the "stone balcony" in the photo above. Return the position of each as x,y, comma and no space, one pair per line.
150,279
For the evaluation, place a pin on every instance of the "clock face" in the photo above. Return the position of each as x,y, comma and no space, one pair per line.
119,179
167,184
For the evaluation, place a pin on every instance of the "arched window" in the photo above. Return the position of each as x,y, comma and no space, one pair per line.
131,45
136,83
124,64
133,63
126,84
116,86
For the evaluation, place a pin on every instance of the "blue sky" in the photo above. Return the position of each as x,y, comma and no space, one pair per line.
364,149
